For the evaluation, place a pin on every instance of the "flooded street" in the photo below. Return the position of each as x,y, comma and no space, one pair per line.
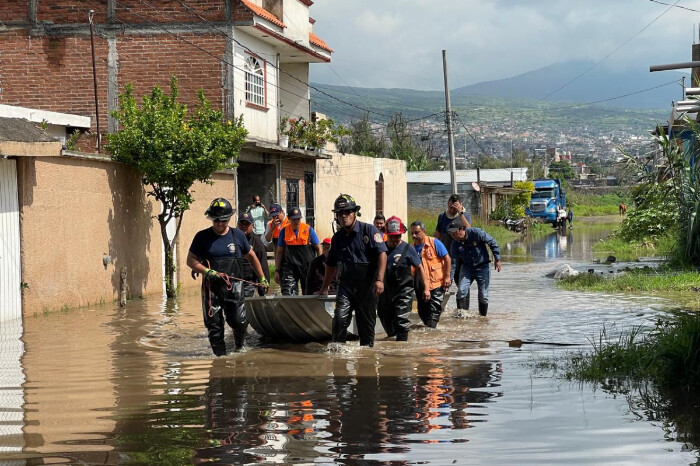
140,386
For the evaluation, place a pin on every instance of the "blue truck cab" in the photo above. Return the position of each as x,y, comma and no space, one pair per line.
548,196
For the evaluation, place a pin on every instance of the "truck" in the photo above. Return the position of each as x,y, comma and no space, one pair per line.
547,198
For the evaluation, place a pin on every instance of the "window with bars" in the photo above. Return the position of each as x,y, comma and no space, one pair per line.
254,82
292,193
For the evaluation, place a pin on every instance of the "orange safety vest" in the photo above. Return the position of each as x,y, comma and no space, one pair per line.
300,239
432,263
276,229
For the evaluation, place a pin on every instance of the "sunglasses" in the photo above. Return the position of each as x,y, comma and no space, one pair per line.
217,220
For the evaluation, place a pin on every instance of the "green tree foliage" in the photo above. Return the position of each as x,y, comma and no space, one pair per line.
513,207
364,140
561,170
172,149
396,141
668,196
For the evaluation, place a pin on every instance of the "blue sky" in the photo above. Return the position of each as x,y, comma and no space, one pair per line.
398,43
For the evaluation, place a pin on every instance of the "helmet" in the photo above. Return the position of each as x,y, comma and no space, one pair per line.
219,209
344,203
394,226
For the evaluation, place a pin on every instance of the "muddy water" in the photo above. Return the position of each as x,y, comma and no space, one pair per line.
139,386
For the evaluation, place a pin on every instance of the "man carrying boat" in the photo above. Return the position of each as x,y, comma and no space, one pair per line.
469,246
358,253
395,303
436,263
216,253
245,224
297,247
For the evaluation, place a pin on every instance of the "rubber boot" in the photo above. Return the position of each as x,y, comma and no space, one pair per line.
402,337
219,350
483,308
463,303
238,338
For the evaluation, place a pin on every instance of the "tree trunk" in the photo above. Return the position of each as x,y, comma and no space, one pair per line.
169,275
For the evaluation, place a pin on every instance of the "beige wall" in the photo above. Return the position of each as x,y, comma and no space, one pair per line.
75,209
356,175
194,220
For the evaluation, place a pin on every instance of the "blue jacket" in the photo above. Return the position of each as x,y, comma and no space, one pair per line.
472,252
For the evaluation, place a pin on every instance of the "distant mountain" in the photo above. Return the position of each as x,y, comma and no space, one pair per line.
595,85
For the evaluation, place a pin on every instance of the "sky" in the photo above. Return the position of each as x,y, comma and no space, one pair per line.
399,43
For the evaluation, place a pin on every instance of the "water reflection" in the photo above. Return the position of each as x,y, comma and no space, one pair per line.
361,409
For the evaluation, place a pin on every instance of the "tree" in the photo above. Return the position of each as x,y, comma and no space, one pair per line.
363,140
561,170
172,149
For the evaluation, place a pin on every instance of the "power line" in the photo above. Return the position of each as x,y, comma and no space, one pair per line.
674,5
609,54
273,65
675,81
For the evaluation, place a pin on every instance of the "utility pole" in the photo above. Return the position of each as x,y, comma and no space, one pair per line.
91,13
448,120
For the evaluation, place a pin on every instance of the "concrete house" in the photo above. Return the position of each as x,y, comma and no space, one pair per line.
250,57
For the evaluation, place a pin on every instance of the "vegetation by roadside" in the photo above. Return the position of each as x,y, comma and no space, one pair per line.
667,356
640,280
589,205
631,249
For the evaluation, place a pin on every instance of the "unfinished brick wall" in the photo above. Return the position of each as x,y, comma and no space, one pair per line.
14,10
292,169
49,67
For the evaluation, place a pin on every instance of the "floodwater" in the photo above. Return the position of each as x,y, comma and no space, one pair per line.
139,386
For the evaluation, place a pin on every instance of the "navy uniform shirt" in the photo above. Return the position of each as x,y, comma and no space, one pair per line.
402,256
208,245
472,251
362,245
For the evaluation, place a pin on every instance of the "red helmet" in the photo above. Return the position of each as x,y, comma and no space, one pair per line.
394,226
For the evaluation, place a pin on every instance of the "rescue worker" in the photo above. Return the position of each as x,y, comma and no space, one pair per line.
455,210
469,246
276,223
216,253
570,218
380,224
246,224
437,264
297,247
358,253
395,303
317,270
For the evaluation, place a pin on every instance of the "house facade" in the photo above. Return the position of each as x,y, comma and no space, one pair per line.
251,58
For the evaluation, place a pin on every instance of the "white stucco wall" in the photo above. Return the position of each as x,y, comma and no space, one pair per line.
294,96
296,18
261,124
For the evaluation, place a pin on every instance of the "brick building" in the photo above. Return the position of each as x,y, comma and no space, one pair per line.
250,57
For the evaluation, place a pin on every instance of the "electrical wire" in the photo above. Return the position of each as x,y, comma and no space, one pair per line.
609,54
674,5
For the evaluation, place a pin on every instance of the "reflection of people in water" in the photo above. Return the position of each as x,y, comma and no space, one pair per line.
362,409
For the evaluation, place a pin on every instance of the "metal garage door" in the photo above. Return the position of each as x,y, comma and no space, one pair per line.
10,265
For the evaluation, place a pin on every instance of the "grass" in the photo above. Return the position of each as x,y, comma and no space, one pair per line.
668,355
641,280
429,217
591,205
631,250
